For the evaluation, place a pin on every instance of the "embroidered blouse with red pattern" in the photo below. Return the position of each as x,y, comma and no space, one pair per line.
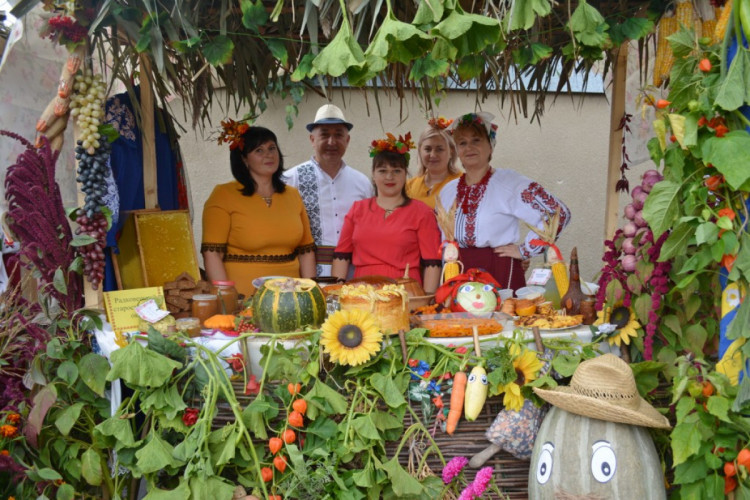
489,212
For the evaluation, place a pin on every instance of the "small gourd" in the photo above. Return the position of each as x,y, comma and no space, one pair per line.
476,393
571,301
220,322
288,304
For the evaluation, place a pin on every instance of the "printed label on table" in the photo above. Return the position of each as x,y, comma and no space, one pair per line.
120,306
539,276
149,311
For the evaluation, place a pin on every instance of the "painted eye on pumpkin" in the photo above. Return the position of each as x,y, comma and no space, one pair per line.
466,289
603,461
544,465
487,288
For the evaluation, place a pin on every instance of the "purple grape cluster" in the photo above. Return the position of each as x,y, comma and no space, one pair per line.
93,253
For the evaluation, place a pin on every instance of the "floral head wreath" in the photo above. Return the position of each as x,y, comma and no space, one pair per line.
400,145
440,123
232,133
482,118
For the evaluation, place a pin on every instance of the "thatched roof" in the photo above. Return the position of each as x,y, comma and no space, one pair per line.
254,48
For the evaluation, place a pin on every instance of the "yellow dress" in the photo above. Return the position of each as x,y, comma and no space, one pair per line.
418,190
256,239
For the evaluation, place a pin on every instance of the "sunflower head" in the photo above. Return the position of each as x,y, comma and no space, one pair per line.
619,323
350,337
527,365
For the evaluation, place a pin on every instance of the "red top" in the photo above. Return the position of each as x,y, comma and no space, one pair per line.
384,245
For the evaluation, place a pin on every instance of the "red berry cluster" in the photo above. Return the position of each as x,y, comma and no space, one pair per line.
67,28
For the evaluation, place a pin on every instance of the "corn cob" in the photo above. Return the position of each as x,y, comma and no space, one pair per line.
562,280
451,270
708,29
685,14
723,21
664,57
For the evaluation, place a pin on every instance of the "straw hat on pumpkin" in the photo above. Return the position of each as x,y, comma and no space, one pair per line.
604,388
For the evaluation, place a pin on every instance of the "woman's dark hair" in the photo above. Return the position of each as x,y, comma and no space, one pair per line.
254,137
394,160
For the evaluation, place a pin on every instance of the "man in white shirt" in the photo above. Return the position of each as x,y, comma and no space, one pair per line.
328,185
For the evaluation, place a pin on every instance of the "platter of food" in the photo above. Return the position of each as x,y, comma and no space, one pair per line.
549,322
458,325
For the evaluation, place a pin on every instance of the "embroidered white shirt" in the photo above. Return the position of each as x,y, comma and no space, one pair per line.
509,199
328,205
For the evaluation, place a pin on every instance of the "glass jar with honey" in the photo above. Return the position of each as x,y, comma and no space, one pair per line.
227,295
204,306
191,326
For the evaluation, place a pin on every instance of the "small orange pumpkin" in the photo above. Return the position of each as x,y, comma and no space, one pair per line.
220,322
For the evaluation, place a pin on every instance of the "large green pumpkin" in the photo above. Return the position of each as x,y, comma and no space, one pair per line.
590,458
288,304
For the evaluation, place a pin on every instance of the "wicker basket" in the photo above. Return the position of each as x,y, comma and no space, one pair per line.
511,474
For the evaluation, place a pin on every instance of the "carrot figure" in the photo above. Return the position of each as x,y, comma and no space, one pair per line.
457,401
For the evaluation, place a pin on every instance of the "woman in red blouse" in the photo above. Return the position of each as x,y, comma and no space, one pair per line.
381,235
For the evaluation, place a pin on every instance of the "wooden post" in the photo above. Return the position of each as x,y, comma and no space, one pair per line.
617,111
148,136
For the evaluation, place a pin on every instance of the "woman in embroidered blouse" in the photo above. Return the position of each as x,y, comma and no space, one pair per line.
381,235
491,204
255,226
436,160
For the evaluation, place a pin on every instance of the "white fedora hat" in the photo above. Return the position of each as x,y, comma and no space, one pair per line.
329,114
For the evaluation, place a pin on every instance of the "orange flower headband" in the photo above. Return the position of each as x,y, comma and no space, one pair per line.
400,145
440,122
232,133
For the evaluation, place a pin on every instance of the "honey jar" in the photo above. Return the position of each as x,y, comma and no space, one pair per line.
204,306
227,295
191,326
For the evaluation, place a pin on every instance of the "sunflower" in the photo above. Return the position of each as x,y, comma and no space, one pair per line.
527,366
351,337
624,321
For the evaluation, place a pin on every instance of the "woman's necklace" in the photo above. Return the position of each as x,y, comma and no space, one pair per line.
268,198
389,211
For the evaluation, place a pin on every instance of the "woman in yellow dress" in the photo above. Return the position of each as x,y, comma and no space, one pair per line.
436,160
256,225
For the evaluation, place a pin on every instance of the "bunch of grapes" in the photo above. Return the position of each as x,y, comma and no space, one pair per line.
93,253
92,152
86,106
92,174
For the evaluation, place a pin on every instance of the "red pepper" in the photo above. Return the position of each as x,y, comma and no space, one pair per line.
728,262
727,212
704,65
714,182
300,405
662,103
266,473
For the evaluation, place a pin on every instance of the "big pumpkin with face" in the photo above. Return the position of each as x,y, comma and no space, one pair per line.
586,458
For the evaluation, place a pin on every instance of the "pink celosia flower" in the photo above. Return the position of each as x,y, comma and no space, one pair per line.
468,493
454,468
481,481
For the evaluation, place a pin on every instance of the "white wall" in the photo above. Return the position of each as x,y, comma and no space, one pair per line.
567,153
